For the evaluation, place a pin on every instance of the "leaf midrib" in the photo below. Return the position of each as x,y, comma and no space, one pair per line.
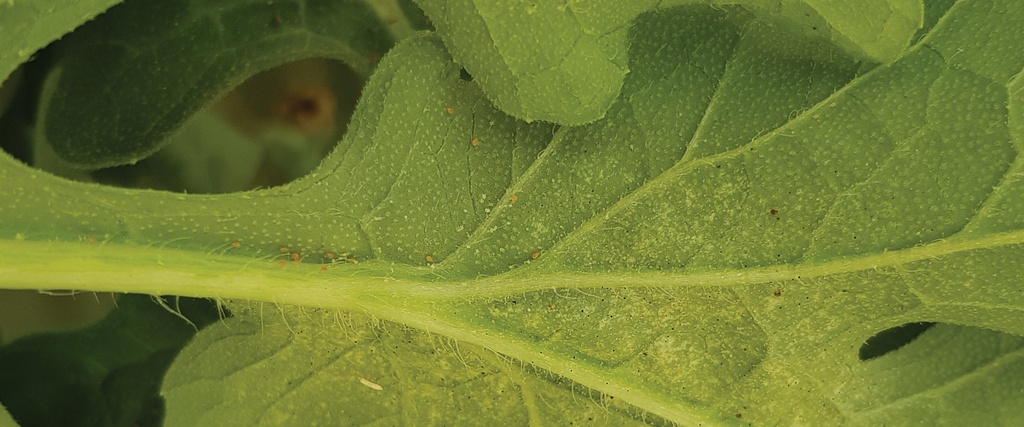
187,273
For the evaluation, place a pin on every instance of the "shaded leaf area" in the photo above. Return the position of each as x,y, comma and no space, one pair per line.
304,366
417,19
29,25
565,62
891,339
97,112
724,262
107,374
704,82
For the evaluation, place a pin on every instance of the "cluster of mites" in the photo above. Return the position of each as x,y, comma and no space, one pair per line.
335,258
296,257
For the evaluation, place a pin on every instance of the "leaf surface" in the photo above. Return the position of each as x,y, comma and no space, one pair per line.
753,207
764,256
28,25
565,62
5,418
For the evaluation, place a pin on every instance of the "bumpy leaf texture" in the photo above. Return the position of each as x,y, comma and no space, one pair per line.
565,61
752,207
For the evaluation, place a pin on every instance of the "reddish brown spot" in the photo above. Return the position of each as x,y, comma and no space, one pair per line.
430,259
777,293
296,257
308,109
535,255
276,20
739,415
374,58
351,259
475,142
281,263
236,244
329,255
449,110
323,268
284,249
515,198
773,211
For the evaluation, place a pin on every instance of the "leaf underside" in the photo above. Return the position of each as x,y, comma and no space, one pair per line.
752,207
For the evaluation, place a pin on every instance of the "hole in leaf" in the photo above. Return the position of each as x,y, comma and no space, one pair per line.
892,339
270,130
18,102
464,75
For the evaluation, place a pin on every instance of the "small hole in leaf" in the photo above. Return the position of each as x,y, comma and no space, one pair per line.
18,105
892,339
270,130
279,124
464,75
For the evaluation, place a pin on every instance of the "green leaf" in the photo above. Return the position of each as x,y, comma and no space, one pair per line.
5,418
96,112
754,206
565,62
106,374
28,25
369,372
786,252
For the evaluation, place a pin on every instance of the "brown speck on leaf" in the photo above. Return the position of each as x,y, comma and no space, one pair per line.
284,249
276,20
449,110
773,211
296,256
475,142
430,259
777,293
514,198
534,255
236,244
